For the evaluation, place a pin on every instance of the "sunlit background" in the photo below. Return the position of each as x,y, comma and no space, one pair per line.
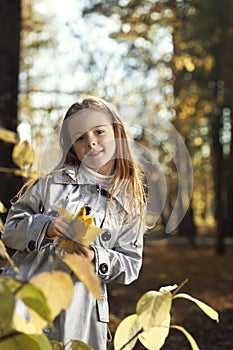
160,55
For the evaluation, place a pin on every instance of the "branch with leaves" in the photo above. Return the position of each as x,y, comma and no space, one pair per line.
151,322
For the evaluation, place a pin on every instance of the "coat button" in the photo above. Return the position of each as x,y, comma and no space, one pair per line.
53,213
106,236
31,245
103,268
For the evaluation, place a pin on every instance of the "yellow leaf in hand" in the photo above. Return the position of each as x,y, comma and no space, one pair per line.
84,270
66,244
82,215
84,232
82,228
64,212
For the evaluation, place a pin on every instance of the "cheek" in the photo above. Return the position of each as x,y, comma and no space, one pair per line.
78,151
110,146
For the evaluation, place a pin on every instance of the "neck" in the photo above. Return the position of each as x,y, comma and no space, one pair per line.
107,169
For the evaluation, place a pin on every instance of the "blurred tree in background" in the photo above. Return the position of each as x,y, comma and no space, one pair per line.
10,25
172,57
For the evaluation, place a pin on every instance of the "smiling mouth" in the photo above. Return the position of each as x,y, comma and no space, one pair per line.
94,153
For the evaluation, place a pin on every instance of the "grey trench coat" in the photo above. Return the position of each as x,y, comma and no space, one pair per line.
118,250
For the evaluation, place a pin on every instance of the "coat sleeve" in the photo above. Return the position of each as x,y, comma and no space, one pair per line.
26,225
123,262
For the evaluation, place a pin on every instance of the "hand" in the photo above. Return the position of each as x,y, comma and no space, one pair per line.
59,227
86,251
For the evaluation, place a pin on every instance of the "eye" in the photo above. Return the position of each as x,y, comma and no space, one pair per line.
100,131
80,138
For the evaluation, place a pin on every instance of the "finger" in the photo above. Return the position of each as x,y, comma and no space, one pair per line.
61,226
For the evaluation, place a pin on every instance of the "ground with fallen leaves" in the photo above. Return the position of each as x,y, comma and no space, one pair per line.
210,279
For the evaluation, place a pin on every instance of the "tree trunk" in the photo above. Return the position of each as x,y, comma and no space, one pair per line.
10,22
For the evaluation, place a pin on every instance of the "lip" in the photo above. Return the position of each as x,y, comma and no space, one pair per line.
94,153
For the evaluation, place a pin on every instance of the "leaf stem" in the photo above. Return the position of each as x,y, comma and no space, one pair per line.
180,286
131,339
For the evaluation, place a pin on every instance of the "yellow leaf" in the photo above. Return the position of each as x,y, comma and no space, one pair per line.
84,270
168,288
57,286
82,215
8,135
204,307
153,308
1,225
33,326
191,340
64,212
84,232
156,336
82,228
2,208
23,154
127,333
4,254
66,244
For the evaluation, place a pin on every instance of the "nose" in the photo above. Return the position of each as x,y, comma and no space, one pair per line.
91,141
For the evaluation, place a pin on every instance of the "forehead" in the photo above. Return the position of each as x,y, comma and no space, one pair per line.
85,120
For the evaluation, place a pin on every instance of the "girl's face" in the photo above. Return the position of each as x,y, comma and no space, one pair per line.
93,140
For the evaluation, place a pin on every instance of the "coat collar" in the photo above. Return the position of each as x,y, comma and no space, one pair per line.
73,176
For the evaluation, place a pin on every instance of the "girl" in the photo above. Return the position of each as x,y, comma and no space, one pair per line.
96,170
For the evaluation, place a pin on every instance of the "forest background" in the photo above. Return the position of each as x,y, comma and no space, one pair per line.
173,59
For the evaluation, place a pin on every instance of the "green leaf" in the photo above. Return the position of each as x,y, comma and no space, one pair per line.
56,345
204,307
153,308
79,345
35,299
19,342
7,303
127,333
156,336
43,342
11,283
191,340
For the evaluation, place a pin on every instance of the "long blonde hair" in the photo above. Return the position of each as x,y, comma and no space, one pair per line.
126,168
